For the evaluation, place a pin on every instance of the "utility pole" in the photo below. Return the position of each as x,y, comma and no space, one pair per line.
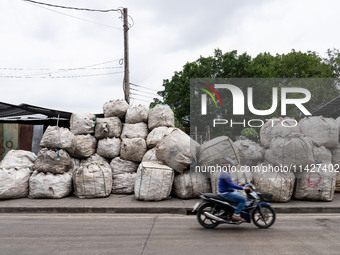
126,57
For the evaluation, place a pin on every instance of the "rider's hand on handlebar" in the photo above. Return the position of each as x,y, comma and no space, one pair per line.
247,188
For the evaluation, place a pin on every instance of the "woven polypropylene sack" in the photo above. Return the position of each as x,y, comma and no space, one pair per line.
109,147
251,153
93,180
338,121
53,161
123,183
94,157
115,108
157,135
14,183
277,127
211,152
153,181
59,138
18,159
323,131
279,184
47,185
291,150
133,149
108,127
316,185
174,150
122,166
161,115
136,114
322,154
150,155
336,163
189,184
138,130
82,123
86,146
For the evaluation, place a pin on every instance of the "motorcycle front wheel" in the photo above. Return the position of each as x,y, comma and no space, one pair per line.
264,217
203,220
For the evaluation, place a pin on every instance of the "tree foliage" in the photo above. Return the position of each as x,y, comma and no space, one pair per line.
295,64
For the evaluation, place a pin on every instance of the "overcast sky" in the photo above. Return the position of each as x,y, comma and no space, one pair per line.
39,45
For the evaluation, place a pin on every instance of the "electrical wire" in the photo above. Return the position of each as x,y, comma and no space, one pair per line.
74,8
71,16
139,99
57,77
141,95
136,85
148,93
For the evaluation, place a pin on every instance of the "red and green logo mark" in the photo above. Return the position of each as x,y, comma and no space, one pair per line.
210,94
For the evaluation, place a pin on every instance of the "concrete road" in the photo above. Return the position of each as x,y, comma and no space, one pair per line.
163,235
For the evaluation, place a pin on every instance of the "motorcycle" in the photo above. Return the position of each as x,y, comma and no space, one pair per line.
214,210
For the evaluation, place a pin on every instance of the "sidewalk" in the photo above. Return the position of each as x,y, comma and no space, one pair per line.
128,204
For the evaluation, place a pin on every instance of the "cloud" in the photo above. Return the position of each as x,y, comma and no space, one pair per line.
165,36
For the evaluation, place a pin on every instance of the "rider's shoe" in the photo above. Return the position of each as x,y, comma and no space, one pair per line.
237,217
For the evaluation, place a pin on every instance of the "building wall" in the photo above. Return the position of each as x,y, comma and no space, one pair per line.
19,137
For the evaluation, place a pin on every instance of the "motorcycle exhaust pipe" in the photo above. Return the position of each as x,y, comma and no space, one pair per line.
213,217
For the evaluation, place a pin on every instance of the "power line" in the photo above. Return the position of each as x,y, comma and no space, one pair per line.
57,77
141,95
74,8
136,85
148,93
71,16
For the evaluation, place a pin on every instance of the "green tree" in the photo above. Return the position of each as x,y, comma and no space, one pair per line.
295,64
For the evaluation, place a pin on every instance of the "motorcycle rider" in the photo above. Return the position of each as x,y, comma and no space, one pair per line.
226,189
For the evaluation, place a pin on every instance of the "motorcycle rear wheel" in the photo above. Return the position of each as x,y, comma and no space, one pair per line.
203,220
266,219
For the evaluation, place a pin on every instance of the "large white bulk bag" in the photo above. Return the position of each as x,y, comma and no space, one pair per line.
133,149
122,166
109,147
58,138
277,127
82,123
153,181
53,161
322,154
138,130
18,159
14,183
213,151
318,185
323,131
86,146
92,180
336,163
338,121
189,184
94,157
108,127
291,150
279,184
150,155
136,114
174,150
48,185
161,115
251,153
123,183
115,108
157,135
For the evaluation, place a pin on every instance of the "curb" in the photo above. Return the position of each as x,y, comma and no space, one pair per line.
146,210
